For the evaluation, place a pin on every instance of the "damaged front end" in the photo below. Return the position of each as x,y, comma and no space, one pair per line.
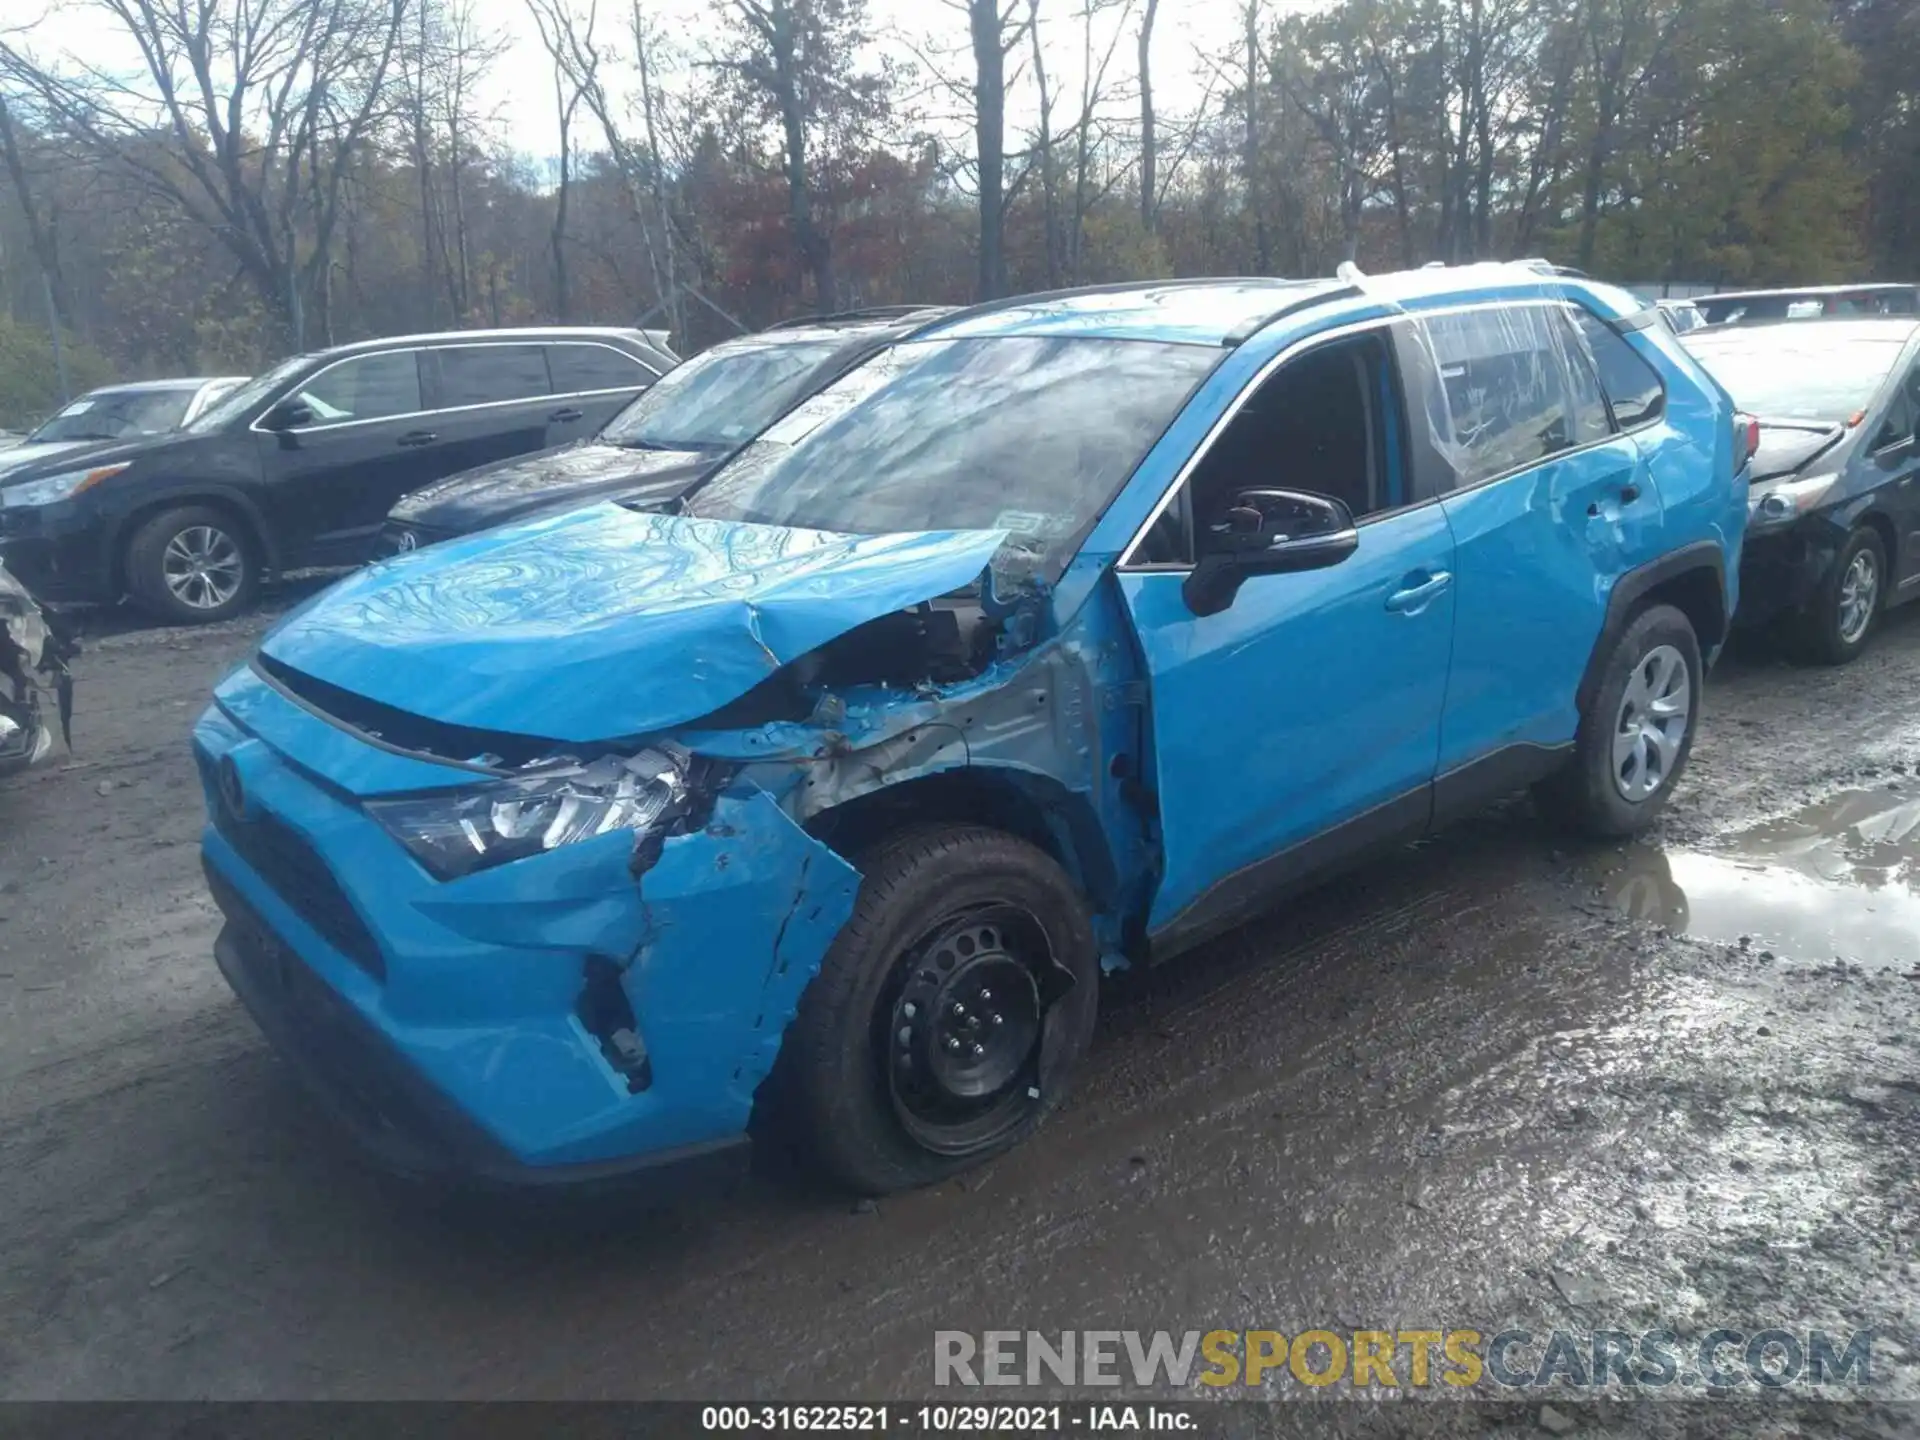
590,951
34,655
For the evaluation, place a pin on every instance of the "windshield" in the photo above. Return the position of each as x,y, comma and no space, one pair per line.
1031,435
718,400
234,404
117,415
1801,374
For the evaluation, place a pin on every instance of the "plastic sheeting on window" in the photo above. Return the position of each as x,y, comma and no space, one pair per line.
1508,382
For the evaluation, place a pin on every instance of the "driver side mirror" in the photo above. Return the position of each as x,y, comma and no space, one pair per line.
290,415
1268,532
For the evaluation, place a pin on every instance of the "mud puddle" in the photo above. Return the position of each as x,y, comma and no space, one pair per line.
1836,880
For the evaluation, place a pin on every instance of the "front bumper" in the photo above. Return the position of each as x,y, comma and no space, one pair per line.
1781,570
443,1020
59,553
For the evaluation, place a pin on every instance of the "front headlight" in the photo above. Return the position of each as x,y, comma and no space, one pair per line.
1782,501
457,832
57,487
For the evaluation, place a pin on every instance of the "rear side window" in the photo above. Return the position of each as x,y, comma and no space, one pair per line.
485,374
578,368
1633,386
1509,393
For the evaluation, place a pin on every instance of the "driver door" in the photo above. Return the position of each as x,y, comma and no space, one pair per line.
1300,724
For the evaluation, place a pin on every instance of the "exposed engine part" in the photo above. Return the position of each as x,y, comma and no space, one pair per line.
607,1014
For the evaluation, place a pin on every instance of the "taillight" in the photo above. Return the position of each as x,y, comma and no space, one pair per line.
1746,439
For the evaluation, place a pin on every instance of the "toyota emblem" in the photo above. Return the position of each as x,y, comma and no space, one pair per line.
232,793
405,541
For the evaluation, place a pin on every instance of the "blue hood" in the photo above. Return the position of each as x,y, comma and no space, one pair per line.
602,622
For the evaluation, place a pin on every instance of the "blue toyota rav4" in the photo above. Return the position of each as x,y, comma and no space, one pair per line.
1062,634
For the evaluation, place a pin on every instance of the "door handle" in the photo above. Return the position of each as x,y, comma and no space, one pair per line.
562,417
1629,494
418,437
1415,598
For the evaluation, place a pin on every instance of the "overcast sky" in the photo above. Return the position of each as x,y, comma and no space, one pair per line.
519,90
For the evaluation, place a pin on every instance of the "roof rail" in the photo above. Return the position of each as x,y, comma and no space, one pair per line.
839,317
1249,328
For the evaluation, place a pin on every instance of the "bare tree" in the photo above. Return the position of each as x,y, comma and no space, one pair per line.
266,107
1149,195
42,231
994,32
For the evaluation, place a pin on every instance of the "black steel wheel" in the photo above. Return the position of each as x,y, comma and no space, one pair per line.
948,1015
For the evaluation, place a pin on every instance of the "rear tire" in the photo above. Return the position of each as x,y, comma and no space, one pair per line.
1635,734
949,1014
1840,618
192,566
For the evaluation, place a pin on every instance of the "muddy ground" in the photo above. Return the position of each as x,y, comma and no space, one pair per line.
1498,1079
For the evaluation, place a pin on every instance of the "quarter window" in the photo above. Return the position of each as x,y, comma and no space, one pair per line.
367,387
1633,386
1509,388
579,368
487,374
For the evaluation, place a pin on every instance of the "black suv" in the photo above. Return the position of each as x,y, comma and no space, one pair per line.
672,436
299,466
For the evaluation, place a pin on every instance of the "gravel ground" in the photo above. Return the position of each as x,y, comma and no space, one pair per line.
1498,1080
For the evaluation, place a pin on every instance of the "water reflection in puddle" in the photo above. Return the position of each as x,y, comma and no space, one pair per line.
1841,878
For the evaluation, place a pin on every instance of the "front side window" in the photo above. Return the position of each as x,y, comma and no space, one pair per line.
1507,373
116,415
1033,435
491,374
1633,387
243,398
1320,424
367,387
720,399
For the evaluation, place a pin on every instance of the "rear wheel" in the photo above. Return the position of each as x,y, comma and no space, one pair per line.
192,566
1837,622
1635,733
949,1014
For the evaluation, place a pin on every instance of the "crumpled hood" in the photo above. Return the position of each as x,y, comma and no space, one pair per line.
571,475
603,622
1786,445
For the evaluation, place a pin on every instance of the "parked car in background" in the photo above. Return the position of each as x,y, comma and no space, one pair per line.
1808,302
10,438
299,466
1834,534
1059,636
119,412
663,442
1682,315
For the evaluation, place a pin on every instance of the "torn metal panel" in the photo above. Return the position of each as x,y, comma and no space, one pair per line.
604,623
33,664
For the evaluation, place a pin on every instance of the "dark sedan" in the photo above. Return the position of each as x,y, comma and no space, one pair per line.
1833,530
659,446
300,466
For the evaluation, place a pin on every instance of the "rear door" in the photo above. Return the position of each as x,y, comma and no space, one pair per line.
331,478
592,382
1549,504
1894,470
491,402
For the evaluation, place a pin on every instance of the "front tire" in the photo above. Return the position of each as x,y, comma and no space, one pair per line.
949,1014
192,566
1838,621
1635,734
